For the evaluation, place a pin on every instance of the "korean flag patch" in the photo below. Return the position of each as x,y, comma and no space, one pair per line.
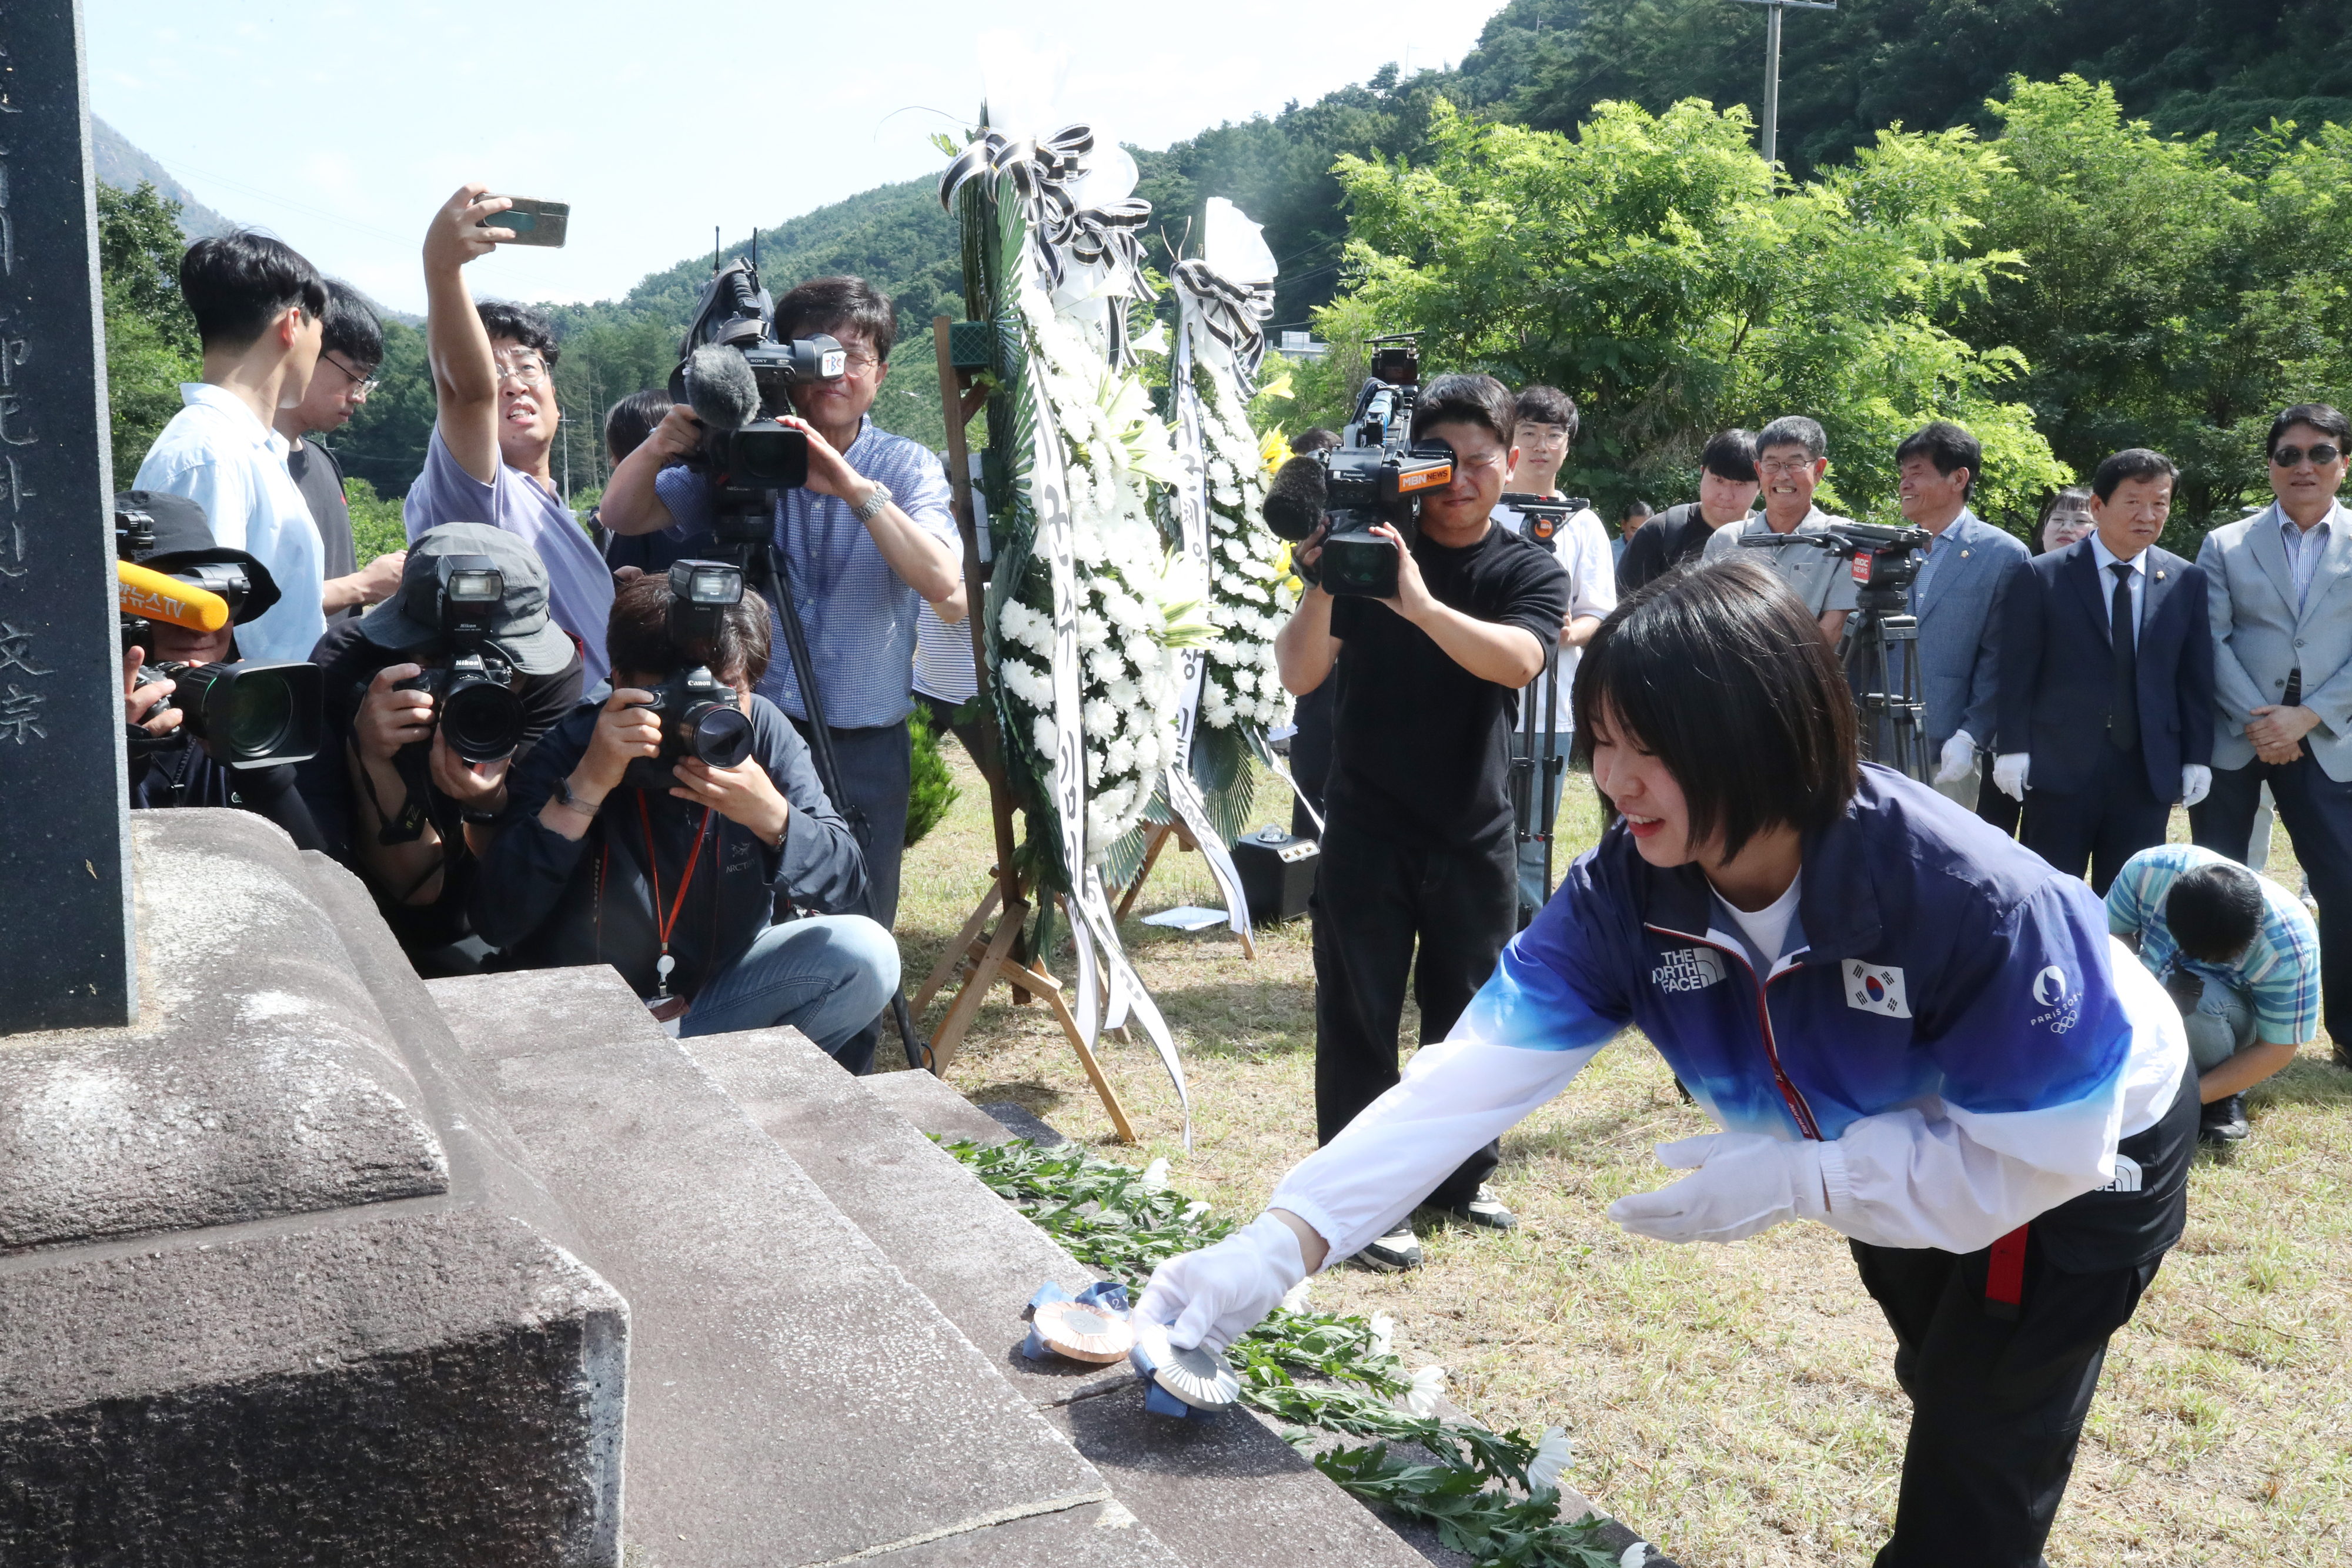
1875,988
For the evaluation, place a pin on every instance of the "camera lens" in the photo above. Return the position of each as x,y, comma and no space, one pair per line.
482,721
260,710
775,459
718,734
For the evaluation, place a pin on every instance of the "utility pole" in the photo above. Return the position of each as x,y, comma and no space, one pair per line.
1772,65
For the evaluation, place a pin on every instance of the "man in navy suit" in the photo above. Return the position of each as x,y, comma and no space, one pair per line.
2107,680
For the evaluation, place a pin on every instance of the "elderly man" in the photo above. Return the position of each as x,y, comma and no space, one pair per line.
1792,456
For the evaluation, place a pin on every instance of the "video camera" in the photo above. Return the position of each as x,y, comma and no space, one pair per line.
474,703
746,453
1375,477
1883,565
244,714
698,712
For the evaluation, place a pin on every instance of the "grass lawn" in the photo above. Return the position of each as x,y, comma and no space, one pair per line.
1737,1404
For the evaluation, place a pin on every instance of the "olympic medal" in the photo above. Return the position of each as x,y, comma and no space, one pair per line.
1199,1377
1082,1333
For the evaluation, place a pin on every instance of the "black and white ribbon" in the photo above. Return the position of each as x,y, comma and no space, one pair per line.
1234,313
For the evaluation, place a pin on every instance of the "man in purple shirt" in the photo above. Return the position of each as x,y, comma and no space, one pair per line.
493,379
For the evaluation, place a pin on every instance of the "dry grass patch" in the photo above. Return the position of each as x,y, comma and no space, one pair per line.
1737,1403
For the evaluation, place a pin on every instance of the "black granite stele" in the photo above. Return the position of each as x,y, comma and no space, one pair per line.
65,878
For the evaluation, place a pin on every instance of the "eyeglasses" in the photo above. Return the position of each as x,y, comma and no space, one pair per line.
524,368
360,385
1789,468
2321,455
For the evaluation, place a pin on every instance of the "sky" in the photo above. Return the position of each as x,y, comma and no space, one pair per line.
342,127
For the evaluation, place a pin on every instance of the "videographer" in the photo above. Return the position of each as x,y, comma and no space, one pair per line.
398,803
868,541
677,887
1418,843
1792,456
170,766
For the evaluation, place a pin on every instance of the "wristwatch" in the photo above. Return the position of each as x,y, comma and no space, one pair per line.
870,507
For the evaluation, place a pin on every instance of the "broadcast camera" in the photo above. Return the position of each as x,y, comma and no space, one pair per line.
474,704
736,377
1376,477
244,714
1882,566
698,712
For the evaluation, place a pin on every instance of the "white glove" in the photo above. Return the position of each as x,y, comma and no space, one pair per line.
1214,1296
1960,756
2196,782
1745,1183
2009,773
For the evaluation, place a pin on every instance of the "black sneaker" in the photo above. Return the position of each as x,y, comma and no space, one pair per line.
1400,1249
1483,1208
2222,1121
2342,1058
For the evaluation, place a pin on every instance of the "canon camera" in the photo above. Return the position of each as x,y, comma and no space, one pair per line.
698,714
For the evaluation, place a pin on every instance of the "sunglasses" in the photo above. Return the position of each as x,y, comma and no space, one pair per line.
2321,455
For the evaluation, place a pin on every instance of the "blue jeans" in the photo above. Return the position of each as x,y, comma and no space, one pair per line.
826,976
2219,1019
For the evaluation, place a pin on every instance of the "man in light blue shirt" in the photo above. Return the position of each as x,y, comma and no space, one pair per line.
868,541
258,307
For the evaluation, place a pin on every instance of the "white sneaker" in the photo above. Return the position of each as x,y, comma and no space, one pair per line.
1400,1249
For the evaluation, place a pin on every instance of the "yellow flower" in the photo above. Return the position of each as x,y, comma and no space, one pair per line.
1274,451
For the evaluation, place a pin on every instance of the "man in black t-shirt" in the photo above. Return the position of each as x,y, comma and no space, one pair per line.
350,346
1728,483
1418,843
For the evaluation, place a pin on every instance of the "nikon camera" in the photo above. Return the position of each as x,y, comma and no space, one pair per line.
698,712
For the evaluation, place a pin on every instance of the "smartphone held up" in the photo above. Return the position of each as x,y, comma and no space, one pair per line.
534,221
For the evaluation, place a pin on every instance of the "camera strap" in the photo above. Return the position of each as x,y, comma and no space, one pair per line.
664,924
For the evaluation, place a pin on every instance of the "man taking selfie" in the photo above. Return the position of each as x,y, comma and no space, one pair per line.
1418,847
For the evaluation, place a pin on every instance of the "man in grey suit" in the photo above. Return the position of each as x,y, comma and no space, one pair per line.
1954,596
2280,593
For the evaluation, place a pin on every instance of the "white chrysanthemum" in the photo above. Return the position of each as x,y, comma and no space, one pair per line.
1100,718
1043,732
1634,1555
1553,1455
1428,1387
1294,1300
1383,1334
1118,757
1155,1179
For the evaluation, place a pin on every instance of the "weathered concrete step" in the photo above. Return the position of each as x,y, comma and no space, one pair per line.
1222,1494
793,1398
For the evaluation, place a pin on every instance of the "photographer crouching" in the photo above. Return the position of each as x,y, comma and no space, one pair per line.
1418,841
660,831
432,697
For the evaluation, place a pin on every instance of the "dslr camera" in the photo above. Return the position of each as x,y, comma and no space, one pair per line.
745,452
474,706
244,714
698,712
1376,477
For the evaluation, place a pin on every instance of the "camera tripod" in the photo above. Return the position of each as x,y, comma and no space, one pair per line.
1535,802
1880,652
748,541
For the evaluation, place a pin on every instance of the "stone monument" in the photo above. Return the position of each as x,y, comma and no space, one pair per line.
65,945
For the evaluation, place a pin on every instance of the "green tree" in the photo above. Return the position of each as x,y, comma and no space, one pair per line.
1652,268
151,339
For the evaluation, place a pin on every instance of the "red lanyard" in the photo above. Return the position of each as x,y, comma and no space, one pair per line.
662,927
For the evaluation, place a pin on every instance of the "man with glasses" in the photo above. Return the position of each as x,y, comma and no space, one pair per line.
494,383
2279,588
350,350
868,541
1792,456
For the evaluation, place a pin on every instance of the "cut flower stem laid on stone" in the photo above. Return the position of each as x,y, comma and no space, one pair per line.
1476,1492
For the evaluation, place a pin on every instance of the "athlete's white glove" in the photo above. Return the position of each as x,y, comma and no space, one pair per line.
1960,756
2009,773
2196,782
1214,1296
1743,1183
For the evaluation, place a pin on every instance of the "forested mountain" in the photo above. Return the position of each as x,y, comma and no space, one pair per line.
2106,339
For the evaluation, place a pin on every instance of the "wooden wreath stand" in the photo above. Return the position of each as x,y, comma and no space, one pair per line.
982,955
1156,839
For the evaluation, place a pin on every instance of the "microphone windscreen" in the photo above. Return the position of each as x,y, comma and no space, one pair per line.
720,389
1294,502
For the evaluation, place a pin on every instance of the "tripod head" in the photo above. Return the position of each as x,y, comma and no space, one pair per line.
1883,565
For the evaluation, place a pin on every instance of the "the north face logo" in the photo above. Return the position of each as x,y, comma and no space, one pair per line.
1688,969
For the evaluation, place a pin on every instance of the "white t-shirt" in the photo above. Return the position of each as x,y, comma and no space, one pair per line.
217,455
1582,547
1767,928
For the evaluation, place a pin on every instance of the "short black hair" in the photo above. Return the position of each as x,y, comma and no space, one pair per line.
2214,912
1723,674
238,284
1636,508
1730,455
519,324
629,421
636,634
1948,447
2320,416
1466,398
1547,405
829,304
1308,442
1795,430
2131,463
352,329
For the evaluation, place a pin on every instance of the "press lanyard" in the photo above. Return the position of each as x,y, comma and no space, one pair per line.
662,927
